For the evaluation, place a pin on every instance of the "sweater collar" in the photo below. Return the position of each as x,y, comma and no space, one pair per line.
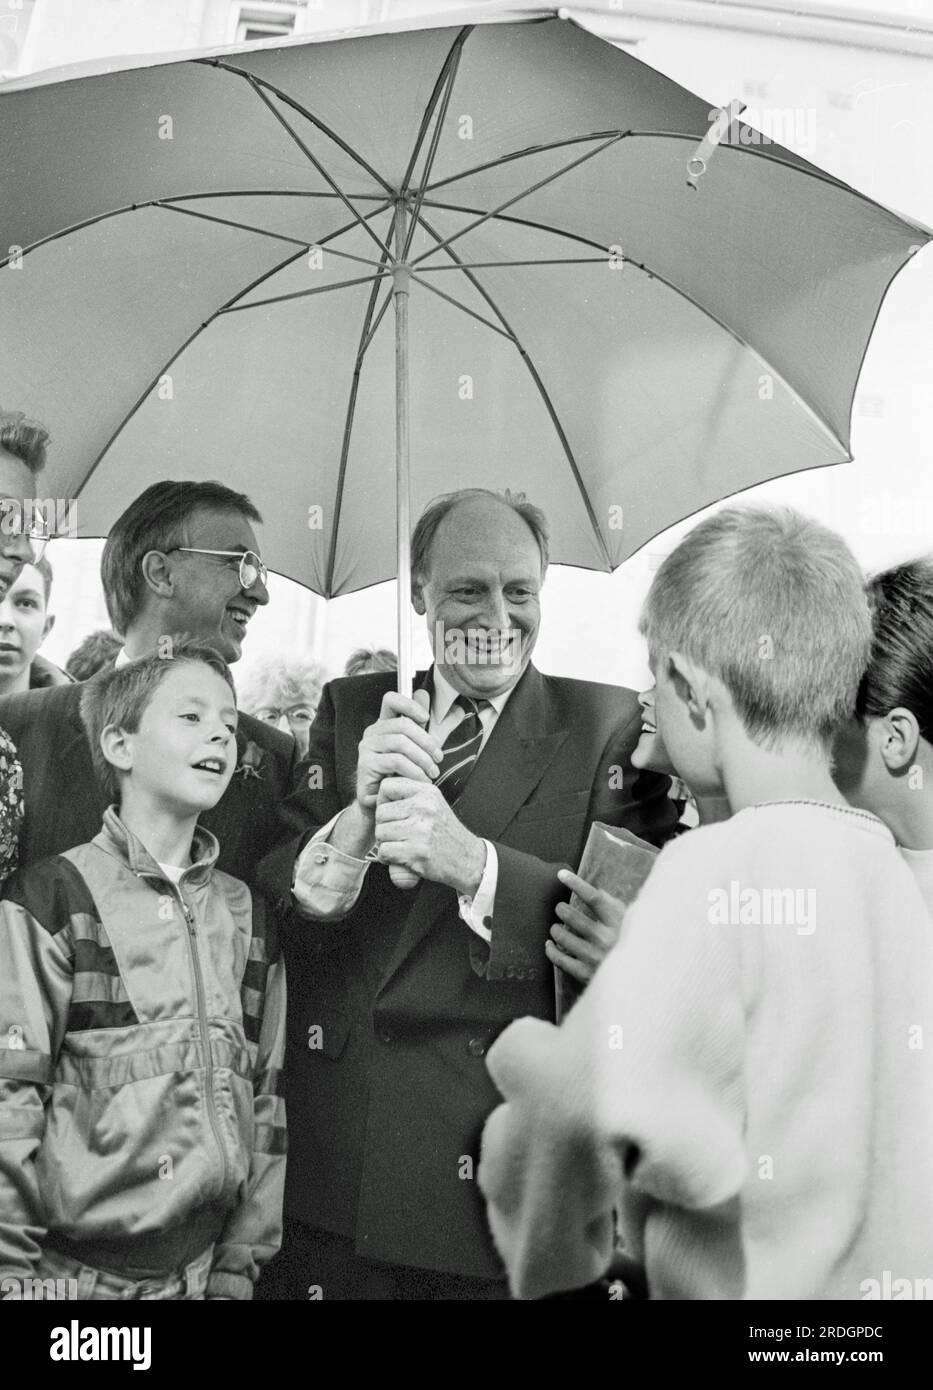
117,839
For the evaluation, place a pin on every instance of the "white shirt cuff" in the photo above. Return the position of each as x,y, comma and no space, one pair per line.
327,881
477,911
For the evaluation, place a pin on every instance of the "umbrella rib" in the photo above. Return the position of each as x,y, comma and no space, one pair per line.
257,88
518,222
269,193
169,204
325,129
526,153
379,317
289,260
542,389
347,432
737,492
714,318
453,64
675,289
443,77
228,222
459,305
810,172
494,265
530,150
266,275
550,178
80,226
757,153
303,294
261,231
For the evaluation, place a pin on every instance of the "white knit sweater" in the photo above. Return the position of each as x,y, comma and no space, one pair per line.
748,1078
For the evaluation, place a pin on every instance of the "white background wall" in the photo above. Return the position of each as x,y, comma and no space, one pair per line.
864,115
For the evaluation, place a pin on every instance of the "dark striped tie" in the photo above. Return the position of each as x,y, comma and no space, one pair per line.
461,748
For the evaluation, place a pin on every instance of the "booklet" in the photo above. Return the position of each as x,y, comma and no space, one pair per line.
618,862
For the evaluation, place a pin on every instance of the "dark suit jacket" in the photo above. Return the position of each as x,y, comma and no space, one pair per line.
392,1009
65,805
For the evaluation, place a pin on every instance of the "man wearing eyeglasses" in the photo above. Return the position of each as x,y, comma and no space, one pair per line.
23,530
183,558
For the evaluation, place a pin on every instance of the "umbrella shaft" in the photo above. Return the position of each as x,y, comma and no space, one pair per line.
402,877
402,458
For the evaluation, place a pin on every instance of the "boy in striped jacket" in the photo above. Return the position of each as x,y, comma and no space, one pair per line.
142,1006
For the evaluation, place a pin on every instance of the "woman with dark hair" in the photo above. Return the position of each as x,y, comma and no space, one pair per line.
884,756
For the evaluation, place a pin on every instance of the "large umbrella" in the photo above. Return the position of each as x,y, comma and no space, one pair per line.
594,301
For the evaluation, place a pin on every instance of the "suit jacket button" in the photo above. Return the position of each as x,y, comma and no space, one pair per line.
476,1047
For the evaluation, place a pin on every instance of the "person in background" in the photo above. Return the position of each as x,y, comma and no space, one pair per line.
182,559
284,691
25,622
367,659
23,539
738,1079
583,937
585,934
97,650
146,992
884,755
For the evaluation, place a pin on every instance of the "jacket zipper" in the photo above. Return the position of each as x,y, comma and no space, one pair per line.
205,1032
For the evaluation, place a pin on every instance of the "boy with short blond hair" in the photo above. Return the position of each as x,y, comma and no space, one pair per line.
142,1019
745,1079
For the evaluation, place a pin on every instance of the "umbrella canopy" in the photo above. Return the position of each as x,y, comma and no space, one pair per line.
203,256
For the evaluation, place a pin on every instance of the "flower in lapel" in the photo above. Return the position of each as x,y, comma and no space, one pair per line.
251,760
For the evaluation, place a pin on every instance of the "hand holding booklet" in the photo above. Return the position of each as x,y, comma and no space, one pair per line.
618,862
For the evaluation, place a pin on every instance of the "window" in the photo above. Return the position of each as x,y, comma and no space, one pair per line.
14,24
263,21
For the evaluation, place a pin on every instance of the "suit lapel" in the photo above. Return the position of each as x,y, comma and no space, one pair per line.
516,756
75,765
75,768
518,752
75,755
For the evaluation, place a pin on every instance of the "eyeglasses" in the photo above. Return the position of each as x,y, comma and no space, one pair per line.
298,716
13,523
251,567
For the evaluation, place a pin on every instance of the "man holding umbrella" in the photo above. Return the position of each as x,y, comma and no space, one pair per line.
482,785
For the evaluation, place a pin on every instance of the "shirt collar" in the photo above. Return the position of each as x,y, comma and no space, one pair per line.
121,659
117,839
444,696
